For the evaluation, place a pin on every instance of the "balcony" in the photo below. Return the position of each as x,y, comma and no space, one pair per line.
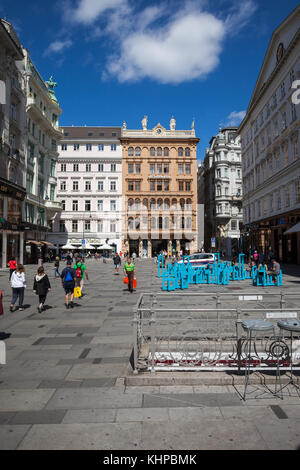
41,116
52,208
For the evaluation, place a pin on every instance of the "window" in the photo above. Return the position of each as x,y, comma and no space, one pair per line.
41,162
113,147
152,151
287,197
90,134
30,153
137,168
63,204
87,226
87,205
187,152
297,191
166,152
137,152
166,168
113,227
166,185
75,205
89,146
88,185
63,186
137,186
113,167
130,152
75,185
52,192
113,205
180,152
63,167
152,168
152,185
153,222
130,204
100,167
76,147
88,167
159,168
188,169
188,204
100,226
130,185
187,186
53,145
100,185
100,205
64,147
130,168
181,185
159,185
180,168
75,166
113,186
100,147
29,182
137,204
233,225
62,227
159,151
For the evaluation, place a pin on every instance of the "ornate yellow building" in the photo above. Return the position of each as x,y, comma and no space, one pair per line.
159,168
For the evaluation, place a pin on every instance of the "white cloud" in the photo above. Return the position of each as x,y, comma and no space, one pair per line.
235,118
88,11
239,16
57,46
187,48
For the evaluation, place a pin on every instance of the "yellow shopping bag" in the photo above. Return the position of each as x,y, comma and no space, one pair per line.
77,292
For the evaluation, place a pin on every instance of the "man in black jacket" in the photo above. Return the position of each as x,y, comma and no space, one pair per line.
41,287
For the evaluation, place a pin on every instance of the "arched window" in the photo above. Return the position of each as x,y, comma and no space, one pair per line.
166,152
174,204
180,152
152,204
166,222
189,204
130,204
187,152
188,222
153,222
130,223
130,152
159,204
159,152
160,222
218,190
167,204
152,151
181,204
138,151
145,203
137,223
137,204
181,222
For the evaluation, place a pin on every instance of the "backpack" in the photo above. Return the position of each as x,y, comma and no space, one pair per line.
78,272
68,277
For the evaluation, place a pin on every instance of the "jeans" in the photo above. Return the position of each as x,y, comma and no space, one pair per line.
17,292
56,272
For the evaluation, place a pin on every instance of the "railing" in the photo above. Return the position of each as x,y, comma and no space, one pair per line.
182,336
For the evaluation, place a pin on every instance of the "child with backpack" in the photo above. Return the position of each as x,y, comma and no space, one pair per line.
41,287
68,277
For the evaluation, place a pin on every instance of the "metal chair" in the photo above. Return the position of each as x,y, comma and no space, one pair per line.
251,327
291,326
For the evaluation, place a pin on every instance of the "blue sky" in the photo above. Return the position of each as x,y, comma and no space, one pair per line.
117,60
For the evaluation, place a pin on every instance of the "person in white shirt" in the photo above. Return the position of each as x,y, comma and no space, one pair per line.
18,284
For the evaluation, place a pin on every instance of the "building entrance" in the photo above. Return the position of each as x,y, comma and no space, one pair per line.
159,245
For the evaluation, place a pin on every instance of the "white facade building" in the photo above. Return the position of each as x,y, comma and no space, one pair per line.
270,148
89,188
222,176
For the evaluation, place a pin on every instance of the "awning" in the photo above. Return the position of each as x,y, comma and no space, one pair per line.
105,247
68,247
34,242
294,229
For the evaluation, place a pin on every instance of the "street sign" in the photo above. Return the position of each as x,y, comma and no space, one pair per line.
83,242
213,243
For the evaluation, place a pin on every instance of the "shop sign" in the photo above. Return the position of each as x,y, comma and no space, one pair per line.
11,191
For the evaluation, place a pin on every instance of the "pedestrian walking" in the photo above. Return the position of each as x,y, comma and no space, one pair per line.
56,266
117,263
81,274
68,276
134,256
18,284
41,287
129,270
12,266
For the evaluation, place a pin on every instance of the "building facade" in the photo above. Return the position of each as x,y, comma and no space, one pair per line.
42,138
159,189
89,188
270,148
12,156
222,179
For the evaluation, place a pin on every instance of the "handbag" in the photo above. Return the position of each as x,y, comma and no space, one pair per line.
126,280
77,292
134,282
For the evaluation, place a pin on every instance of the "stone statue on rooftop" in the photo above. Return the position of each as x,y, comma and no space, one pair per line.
144,122
172,123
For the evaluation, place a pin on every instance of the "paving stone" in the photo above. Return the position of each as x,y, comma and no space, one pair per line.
63,340
24,400
192,414
57,372
6,417
104,382
60,384
11,436
38,417
13,383
189,399
94,371
90,416
142,414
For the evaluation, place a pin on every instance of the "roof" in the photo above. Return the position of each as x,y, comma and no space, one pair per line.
85,132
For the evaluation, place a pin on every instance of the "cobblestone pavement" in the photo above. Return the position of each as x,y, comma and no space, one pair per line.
63,385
